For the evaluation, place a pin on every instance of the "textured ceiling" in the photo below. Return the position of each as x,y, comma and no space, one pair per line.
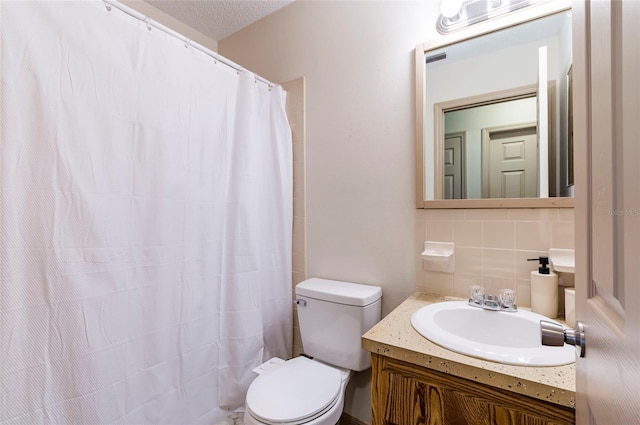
218,19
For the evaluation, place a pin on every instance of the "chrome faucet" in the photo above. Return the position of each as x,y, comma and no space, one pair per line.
504,301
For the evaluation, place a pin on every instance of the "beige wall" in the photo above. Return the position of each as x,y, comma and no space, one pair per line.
356,58
361,223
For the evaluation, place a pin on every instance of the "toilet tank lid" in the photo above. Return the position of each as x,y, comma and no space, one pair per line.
349,293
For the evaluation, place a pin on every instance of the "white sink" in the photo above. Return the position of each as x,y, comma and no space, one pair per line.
509,338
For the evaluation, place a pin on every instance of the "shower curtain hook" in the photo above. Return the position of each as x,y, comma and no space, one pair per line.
187,43
107,6
146,22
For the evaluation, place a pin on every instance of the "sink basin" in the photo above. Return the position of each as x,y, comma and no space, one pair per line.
509,338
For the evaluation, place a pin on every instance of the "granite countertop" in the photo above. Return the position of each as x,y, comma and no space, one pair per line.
395,337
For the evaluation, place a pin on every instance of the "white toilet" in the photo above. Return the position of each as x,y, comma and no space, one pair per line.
333,316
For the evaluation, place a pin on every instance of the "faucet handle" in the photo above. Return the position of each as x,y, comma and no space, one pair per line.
507,298
476,294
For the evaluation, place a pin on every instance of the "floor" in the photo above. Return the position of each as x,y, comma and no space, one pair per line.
233,419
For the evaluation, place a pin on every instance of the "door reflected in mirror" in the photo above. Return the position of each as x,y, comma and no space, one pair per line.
500,140
496,113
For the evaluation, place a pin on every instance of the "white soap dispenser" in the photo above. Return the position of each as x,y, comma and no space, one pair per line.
544,289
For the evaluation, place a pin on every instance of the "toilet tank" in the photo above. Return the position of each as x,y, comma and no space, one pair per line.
333,316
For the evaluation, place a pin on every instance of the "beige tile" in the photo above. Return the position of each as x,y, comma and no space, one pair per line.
299,207
566,214
421,214
438,214
420,236
295,113
498,263
498,234
298,152
296,322
440,230
299,228
462,282
562,234
524,267
298,176
487,214
533,235
298,170
468,261
298,199
523,292
533,214
297,339
492,285
420,277
467,233
297,277
297,261
438,283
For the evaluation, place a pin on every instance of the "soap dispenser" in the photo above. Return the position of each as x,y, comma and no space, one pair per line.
544,289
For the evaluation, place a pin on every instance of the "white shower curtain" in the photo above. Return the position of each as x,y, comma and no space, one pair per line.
145,222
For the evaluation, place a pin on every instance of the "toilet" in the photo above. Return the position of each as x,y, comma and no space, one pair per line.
310,389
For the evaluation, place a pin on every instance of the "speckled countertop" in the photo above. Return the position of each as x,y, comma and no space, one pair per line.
395,337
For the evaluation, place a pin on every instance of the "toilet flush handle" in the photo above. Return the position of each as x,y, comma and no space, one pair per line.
300,303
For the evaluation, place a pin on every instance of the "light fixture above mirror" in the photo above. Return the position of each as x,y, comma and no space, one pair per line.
459,14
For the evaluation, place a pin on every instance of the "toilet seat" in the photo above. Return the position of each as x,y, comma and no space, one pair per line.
294,392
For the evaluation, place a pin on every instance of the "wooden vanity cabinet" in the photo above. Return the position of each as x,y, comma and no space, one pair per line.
406,394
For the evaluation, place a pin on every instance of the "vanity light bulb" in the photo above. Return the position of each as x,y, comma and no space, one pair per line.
450,8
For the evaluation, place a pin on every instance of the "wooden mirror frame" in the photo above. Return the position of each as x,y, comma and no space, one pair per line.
513,19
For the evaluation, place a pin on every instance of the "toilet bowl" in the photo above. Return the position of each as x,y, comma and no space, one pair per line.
333,316
299,391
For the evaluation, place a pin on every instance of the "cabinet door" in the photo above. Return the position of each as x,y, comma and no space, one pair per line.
404,394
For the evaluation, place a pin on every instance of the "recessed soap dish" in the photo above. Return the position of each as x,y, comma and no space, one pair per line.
563,260
438,257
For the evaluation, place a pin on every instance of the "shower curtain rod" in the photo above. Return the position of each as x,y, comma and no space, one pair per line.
187,41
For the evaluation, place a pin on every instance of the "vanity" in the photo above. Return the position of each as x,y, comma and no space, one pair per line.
415,381
471,152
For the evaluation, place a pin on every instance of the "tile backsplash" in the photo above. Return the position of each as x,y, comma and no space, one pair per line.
296,114
492,247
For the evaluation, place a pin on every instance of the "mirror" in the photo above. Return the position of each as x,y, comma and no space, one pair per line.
482,98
